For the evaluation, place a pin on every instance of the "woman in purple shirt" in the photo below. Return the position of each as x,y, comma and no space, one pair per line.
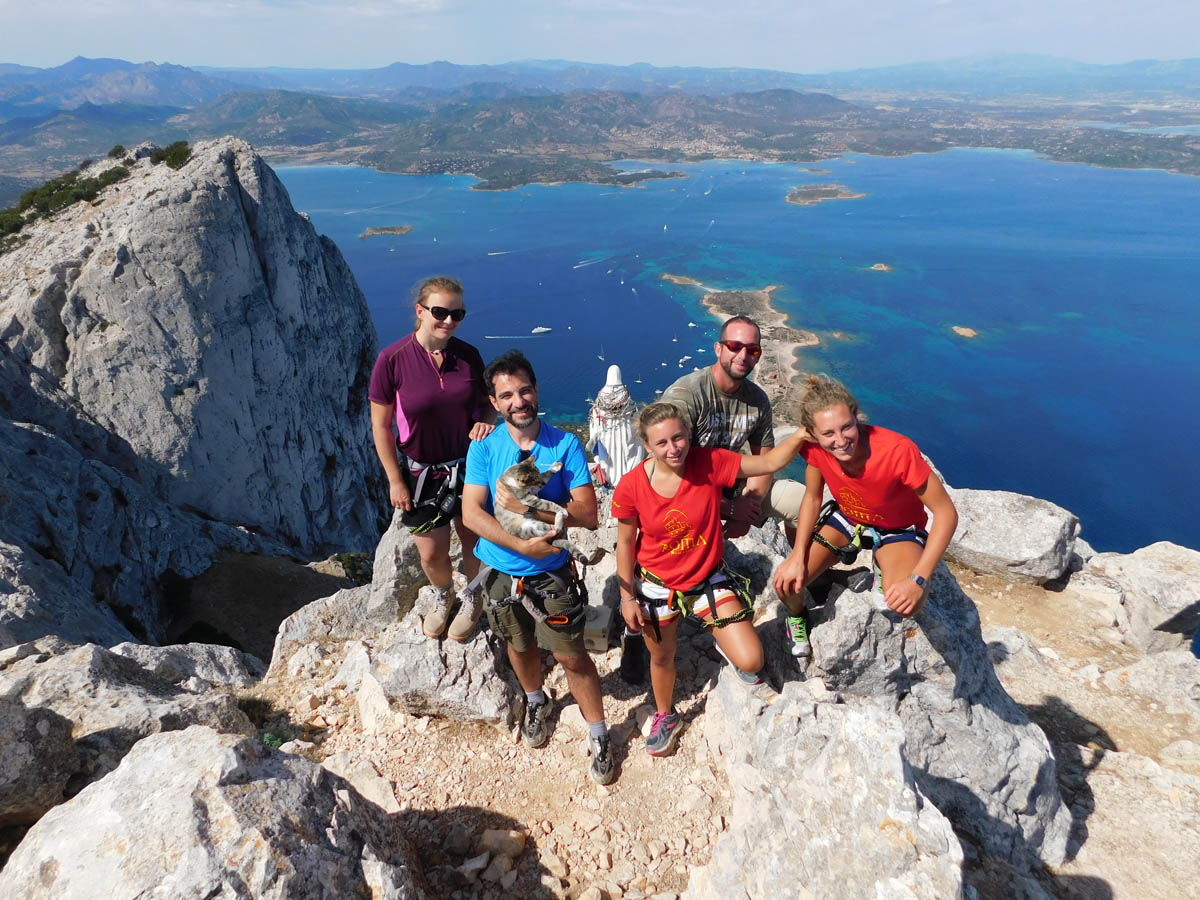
430,386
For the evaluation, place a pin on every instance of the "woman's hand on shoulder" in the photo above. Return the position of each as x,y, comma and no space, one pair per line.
480,430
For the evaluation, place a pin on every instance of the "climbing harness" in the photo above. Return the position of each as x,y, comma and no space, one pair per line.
685,601
534,599
444,500
865,537
847,554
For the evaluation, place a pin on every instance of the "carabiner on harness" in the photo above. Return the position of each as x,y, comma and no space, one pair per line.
847,554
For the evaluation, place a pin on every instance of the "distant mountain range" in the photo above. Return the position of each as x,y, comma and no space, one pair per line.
559,120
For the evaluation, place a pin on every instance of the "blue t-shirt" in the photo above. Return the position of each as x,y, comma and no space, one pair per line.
486,462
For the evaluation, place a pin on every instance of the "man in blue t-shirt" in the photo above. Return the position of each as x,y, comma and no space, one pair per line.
533,566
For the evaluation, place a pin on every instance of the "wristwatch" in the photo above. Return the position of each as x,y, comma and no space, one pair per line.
918,579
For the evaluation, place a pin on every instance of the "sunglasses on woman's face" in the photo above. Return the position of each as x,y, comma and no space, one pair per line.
440,313
736,347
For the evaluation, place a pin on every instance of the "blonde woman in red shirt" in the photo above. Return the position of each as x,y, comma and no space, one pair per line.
670,550
881,487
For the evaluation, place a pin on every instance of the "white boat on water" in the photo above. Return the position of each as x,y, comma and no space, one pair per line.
541,329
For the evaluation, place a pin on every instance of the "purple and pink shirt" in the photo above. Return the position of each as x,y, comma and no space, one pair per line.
435,409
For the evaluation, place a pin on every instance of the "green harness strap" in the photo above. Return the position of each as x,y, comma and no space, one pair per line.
846,554
685,601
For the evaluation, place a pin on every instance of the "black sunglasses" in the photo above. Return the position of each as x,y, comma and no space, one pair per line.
736,347
524,455
440,313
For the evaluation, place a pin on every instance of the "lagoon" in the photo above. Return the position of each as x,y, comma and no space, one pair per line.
1081,283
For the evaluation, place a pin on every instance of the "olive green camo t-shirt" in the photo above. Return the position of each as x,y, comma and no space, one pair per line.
723,420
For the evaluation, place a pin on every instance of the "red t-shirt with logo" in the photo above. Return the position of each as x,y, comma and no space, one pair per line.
884,494
679,538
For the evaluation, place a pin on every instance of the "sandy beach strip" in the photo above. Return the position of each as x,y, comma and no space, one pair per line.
778,371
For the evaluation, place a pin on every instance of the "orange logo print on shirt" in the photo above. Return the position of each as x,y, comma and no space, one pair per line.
681,537
855,507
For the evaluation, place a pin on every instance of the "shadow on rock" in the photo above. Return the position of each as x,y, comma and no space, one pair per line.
994,880
1068,732
241,599
482,852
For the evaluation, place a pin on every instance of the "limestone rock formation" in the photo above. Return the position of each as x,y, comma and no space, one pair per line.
1020,538
212,664
183,355
973,751
812,779
201,814
339,616
87,708
1160,594
470,681
84,545
396,575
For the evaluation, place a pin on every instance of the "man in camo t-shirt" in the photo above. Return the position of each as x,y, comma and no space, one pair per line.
729,410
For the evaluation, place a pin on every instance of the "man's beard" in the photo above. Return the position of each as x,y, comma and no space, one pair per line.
525,418
732,373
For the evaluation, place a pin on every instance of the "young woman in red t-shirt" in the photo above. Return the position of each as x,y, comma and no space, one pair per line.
670,549
882,486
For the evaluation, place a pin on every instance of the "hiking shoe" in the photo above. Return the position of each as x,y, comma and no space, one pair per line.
470,605
635,658
664,734
602,770
535,726
435,621
750,679
797,632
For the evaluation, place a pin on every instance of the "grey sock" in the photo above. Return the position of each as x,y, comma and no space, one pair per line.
598,729
533,698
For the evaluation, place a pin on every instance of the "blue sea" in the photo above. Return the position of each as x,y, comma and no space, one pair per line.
1082,282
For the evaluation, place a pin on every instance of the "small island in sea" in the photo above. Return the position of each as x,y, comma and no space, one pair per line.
681,279
812,194
386,229
964,331
880,267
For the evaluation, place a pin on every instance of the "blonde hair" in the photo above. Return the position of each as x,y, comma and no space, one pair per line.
438,284
821,393
661,411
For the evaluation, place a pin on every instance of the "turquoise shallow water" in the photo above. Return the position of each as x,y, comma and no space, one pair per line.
1082,283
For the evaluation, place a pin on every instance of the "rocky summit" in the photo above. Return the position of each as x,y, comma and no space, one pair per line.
183,368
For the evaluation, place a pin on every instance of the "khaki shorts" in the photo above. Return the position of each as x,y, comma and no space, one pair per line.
781,502
514,624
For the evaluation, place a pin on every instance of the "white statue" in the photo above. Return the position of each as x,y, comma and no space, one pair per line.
611,435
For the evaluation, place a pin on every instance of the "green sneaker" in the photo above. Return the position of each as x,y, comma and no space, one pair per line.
797,632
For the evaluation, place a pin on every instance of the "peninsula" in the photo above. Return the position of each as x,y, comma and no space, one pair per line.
812,194
777,372
386,229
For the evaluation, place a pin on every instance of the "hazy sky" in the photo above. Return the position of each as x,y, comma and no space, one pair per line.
792,35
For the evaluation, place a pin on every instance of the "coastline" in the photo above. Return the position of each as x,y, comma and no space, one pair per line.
778,371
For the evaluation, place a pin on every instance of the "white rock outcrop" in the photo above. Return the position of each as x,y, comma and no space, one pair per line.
183,367
1161,593
973,751
1023,539
201,814
823,798
70,714
213,664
